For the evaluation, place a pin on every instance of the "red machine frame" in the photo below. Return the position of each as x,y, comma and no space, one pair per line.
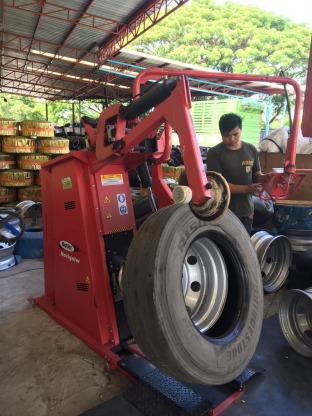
91,181
282,185
88,204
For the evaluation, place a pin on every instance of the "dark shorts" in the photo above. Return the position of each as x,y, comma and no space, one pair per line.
247,222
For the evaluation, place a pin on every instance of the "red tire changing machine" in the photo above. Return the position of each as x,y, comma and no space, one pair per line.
89,217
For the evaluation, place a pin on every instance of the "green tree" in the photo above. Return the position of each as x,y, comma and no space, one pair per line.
21,108
232,38
62,112
59,112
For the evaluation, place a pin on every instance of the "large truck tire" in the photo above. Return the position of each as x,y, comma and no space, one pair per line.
193,295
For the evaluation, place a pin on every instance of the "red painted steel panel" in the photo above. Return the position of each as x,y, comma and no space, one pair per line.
77,282
115,202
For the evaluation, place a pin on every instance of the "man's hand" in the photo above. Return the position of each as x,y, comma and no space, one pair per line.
253,189
260,177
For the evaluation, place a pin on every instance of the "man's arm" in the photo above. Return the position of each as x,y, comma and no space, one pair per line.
262,177
252,189
258,178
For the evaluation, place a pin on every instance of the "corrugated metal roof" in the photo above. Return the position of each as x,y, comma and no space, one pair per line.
75,50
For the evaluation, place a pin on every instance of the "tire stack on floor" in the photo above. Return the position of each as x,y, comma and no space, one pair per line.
8,194
19,178
26,150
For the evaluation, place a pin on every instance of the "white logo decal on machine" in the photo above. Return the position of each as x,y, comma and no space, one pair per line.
65,245
70,258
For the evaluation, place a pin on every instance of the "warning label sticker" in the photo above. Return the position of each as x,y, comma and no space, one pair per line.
67,183
113,179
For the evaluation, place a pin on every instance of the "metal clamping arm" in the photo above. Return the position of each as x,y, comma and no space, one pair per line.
174,110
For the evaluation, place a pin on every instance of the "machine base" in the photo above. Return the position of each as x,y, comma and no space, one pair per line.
156,394
152,388
283,388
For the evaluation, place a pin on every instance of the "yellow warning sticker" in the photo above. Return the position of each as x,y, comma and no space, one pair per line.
109,216
87,279
112,179
106,200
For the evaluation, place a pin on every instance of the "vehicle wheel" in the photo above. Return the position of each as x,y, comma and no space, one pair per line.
193,295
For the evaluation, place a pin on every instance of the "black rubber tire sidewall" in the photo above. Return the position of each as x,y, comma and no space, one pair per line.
304,261
155,306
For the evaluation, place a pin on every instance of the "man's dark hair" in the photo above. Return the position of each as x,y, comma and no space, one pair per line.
228,122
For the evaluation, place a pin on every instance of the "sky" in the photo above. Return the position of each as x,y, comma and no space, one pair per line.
300,11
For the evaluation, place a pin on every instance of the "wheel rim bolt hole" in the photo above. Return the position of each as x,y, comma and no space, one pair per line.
300,310
192,260
195,286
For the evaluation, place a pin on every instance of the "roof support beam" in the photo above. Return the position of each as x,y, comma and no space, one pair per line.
148,17
45,57
71,30
66,14
24,43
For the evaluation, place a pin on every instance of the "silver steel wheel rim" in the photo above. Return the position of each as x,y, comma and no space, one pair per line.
7,258
31,212
295,317
24,205
275,256
204,283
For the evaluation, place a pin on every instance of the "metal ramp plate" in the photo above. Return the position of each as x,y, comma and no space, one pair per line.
158,394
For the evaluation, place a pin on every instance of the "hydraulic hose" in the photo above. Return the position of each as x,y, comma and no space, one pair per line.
149,100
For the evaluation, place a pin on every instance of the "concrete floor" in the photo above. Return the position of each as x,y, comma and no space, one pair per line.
45,370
